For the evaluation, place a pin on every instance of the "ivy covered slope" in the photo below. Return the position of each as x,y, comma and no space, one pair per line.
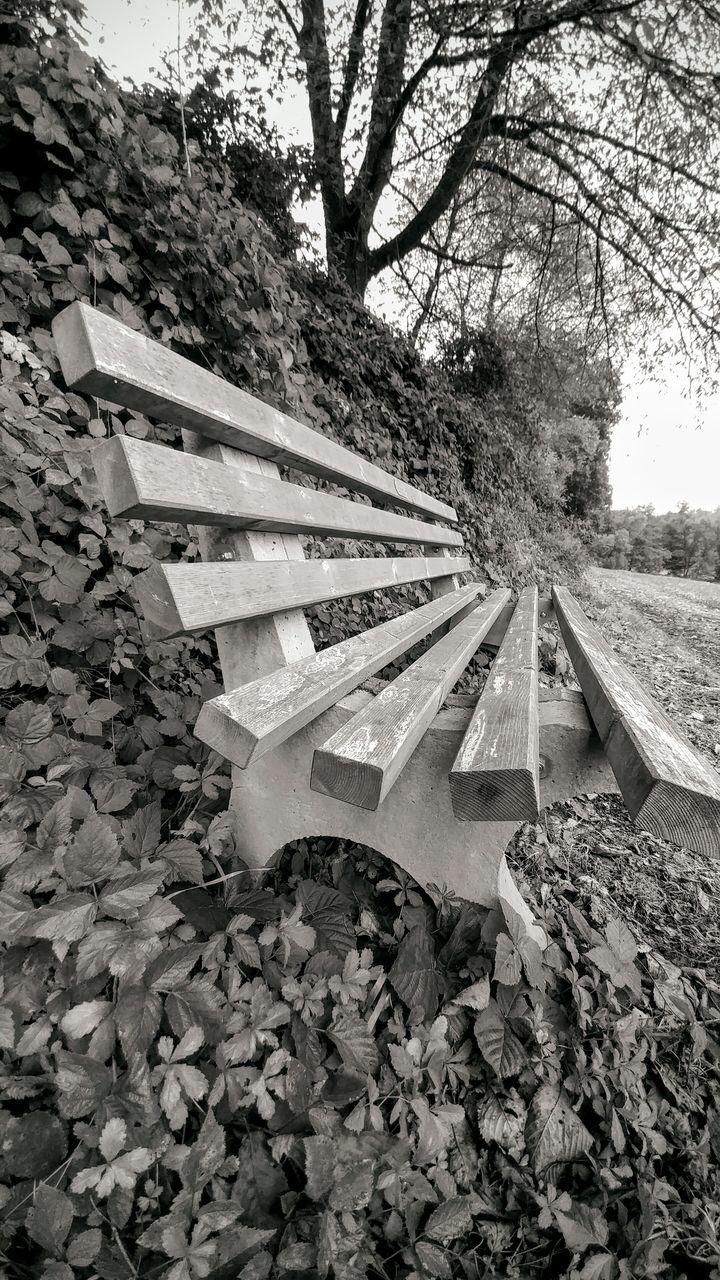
334,1074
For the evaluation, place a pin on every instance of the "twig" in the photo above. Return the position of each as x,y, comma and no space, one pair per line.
180,90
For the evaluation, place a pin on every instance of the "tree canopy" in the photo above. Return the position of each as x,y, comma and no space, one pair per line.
499,137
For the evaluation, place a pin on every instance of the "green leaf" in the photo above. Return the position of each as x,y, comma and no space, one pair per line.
197,1004
413,974
206,1155
137,1016
29,99
204,913
616,959
141,832
93,854
450,1220
29,204
185,860
329,913
508,961
112,792
554,1133
501,1119
50,1218
435,1128
602,1266
66,215
242,1242
66,919
352,1188
82,1082
297,1257
84,1248
7,1028
319,1166
170,969
122,898
433,1261
83,1018
475,997
498,1043
354,1042
34,1145
584,1229
526,948
260,1182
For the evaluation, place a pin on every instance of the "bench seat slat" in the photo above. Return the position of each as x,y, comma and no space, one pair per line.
245,723
667,786
177,598
495,776
100,355
360,763
151,482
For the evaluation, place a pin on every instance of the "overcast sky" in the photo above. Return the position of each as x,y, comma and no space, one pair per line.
666,449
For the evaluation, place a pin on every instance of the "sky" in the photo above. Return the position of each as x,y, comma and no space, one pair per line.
666,447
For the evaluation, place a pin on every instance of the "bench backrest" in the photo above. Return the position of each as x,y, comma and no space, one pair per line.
227,481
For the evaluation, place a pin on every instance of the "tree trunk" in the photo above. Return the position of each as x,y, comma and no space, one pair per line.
347,253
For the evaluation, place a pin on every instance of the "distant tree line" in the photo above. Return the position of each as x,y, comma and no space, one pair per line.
683,543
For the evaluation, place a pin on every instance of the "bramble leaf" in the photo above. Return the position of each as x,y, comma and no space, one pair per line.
554,1133
498,1043
413,974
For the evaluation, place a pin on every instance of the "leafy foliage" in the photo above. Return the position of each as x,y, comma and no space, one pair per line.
204,1077
684,543
172,1103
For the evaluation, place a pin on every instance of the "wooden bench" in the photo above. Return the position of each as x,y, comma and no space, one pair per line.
439,783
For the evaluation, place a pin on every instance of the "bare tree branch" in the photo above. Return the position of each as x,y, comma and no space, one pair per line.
352,64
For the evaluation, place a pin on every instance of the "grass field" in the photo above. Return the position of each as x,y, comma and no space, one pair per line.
667,630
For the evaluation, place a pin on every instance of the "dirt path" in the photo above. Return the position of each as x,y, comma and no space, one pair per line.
668,632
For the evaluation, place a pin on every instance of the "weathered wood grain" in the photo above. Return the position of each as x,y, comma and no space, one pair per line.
494,637
496,773
256,646
360,763
100,355
443,586
147,481
176,598
244,723
667,786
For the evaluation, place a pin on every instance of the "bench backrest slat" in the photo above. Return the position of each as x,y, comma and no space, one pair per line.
360,763
495,776
255,646
102,356
242,724
177,598
667,786
147,481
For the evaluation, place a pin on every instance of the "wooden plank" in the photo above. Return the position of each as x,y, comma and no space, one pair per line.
100,355
177,598
245,723
667,786
360,763
256,646
151,482
496,773
443,586
494,637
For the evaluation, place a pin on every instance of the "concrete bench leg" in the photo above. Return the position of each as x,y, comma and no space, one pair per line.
415,826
